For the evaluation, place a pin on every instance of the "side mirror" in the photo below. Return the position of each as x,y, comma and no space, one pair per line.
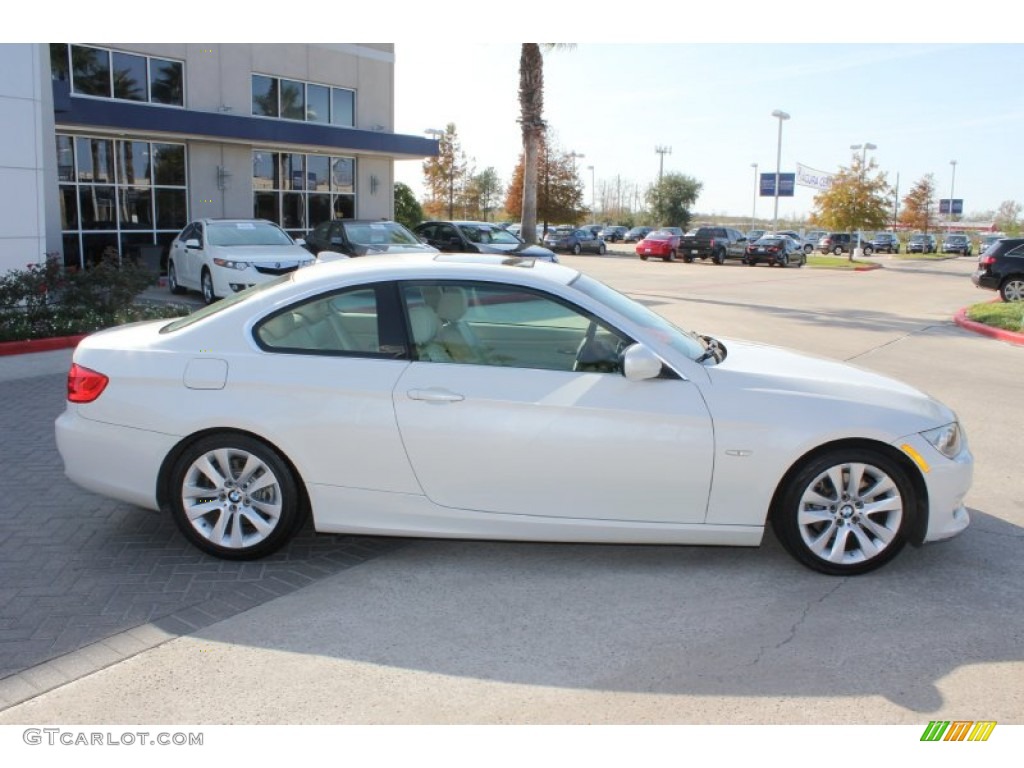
192,243
300,241
639,363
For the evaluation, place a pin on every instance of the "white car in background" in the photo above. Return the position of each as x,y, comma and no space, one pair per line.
220,257
486,397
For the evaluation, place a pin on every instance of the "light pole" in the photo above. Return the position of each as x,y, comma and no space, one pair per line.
753,212
661,151
863,170
573,155
593,197
952,187
783,116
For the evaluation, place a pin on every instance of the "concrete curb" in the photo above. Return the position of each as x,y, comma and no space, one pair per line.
960,318
39,345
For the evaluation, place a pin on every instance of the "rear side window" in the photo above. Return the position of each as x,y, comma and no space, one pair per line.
343,323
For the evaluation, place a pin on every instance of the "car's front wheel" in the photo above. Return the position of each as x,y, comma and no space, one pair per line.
846,512
172,279
206,285
234,497
868,250
1012,289
837,251
576,249
602,249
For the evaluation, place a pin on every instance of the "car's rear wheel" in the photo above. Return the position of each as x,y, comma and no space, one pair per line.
206,283
576,249
808,249
719,257
172,279
784,260
642,257
234,497
868,250
837,251
1012,289
846,512
602,249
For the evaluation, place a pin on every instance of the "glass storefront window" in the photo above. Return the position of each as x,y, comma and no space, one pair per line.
65,158
265,171
133,162
171,208
95,159
318,104
136,207
97,207
343,107
343,174
130,78
265,206
318,173
308,190
90,71
169,165
293,100
68,207
293,171
345,207
166,82
264,96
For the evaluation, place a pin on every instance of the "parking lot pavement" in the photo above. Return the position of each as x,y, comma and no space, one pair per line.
85,582
477,632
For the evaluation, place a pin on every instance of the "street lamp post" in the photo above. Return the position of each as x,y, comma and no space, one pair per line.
573,156
863,172
753,212
783,116
593,196
952,187
661,151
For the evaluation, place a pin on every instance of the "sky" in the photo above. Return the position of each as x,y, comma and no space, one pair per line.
923,104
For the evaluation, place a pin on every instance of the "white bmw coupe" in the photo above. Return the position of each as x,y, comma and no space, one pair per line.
500,398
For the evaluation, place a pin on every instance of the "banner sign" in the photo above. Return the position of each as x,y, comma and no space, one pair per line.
808,177
785,184
958,205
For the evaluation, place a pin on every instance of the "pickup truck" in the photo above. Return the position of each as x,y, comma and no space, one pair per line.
716,243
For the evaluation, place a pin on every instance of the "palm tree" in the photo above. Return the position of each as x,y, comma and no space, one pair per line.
531,119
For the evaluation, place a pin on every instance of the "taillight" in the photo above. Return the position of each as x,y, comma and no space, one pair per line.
85,385
987,261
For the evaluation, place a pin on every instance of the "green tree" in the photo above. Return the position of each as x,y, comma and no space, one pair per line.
445,175
1007,218
408,210
559,187
671,199
858,199
919,204
482,193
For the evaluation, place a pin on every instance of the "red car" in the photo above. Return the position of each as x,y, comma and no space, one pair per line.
660,244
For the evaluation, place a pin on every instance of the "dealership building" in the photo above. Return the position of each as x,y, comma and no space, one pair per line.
114,148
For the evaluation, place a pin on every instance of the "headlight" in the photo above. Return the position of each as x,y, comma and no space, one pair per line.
229,264
947,440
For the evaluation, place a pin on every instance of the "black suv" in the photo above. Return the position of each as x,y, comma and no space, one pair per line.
886,241
921,243
1001,268
843,242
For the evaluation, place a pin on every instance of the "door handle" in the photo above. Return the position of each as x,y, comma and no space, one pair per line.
435,395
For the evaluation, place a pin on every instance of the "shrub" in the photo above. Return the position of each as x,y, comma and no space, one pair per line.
46,300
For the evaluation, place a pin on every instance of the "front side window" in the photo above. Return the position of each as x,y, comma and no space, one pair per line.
509,326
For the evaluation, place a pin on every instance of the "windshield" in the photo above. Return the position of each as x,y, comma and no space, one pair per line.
231,233
683,342
382,233
480,234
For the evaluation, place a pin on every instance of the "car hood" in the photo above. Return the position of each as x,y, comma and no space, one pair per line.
261,253
828,389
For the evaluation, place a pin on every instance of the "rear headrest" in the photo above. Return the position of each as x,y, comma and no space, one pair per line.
424,324
452,305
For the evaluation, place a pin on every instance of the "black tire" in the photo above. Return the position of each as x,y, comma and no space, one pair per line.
868,250
576,249
719,257
784,260
687,259
206,284
803,260
602,249
837,251
1012,289
239,524
836,537
642,257
172,280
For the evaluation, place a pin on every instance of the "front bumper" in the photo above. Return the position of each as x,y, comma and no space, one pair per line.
947,482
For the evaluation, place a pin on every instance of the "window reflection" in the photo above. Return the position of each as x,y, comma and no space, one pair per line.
90,71
95,160
166,80
264,96
293,100
129,77
343,107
